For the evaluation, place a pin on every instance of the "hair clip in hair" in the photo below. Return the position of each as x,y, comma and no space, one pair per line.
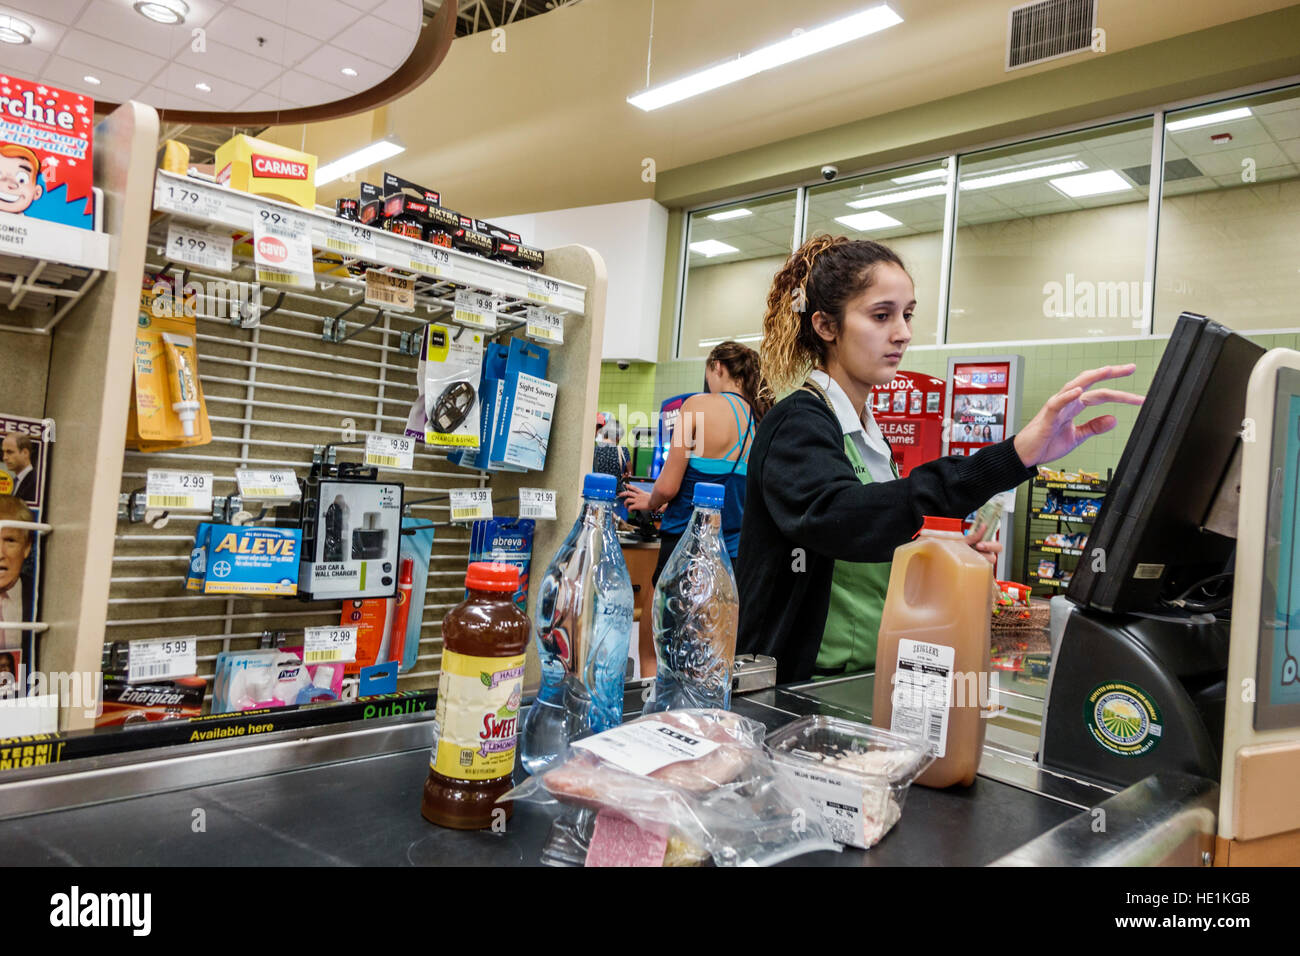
798,300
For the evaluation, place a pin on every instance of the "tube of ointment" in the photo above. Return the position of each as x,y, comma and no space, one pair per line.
184,388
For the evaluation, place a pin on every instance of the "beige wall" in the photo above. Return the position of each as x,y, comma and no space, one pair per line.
725,300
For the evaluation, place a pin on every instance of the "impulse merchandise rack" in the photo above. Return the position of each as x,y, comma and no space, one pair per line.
1035,543
45,267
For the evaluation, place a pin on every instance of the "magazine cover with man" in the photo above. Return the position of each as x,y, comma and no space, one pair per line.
24,445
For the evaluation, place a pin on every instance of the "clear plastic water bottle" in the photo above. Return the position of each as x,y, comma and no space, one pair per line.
584,625
696,611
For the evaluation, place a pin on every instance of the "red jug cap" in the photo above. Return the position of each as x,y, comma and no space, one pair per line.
941,524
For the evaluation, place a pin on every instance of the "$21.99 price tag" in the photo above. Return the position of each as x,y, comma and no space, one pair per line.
178,490
536,503
161,659
325,645
471,504
390,451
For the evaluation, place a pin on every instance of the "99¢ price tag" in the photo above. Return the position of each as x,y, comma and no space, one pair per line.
476,310
161,659
325,645
267,483
545,326
471,504
390,451
178,490
198,247
536,503
282,248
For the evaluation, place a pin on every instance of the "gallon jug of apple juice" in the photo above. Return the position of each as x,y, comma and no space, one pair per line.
932,653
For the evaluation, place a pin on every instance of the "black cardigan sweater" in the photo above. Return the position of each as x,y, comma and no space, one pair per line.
802,493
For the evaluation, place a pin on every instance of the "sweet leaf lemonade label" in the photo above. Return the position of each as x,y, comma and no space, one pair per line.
477,716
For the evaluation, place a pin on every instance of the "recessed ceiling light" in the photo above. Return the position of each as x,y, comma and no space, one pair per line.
1208,119
1092,184
711,247
13,30
864,221
922,177
92,80
730,214
1023,175
901,195
203,87
348,71
163,11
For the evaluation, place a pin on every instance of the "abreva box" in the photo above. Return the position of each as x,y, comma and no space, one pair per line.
248,560
267,169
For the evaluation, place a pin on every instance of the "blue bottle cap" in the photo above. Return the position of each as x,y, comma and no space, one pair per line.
709,496
599,486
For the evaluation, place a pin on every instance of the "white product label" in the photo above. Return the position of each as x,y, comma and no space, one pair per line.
542,289
429,259
471,504
390,451
856,814
388,290
39,240
198,247
267,483
536,503
476,310
1148,572
350,238
177,197
325,645
178,490
337,576
545,326
162,659
922,692
646,746
282,248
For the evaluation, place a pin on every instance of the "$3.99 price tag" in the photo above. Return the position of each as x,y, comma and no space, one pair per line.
325,645
263,483
536,503
198,247
545,326
471,504
178,490
390,451
161,659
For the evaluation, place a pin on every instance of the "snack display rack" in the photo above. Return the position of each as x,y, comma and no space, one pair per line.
1040,523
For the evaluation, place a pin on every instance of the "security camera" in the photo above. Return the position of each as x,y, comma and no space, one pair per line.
830,172
624,365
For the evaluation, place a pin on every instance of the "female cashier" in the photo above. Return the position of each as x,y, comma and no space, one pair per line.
825,507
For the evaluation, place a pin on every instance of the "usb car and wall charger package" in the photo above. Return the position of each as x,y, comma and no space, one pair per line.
351,534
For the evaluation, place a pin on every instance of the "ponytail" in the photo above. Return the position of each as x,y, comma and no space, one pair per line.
745,369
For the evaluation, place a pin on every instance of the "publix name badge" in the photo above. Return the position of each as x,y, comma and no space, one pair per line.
244,560
1123,719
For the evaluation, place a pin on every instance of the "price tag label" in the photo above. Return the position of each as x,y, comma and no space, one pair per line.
267,483
198,247
476,310
350,238
188,201
470,504
390,451
388,290
324,645
282,248
542,289
430,260
161,659
536,503
545,326
178,490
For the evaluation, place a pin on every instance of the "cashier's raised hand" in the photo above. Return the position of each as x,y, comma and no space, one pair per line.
989,549
1053,434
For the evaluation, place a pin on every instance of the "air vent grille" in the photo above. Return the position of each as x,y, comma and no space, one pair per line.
1174,169
1048,29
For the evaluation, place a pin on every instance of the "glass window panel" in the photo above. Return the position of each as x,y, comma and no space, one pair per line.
901,208
1051,237
1229,240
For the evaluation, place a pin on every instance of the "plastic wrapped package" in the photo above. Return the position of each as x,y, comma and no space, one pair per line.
699,780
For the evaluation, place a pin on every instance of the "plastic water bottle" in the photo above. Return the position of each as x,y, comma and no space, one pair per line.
696,611
584,624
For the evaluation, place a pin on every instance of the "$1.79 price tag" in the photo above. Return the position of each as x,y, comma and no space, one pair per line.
545,326
178,490
162,659
263,483
471,504
325,645
390,451
536,503
198,247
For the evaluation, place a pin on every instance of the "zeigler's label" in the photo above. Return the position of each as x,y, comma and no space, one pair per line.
477,716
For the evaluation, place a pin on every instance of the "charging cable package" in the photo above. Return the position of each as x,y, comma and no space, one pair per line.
417,552
505,541
452,370
351,534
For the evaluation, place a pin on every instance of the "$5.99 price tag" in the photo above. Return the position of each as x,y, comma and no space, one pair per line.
536,503
325,645
198,247
545,326
476,310
178,490
161,659
471,504
263,483
390,451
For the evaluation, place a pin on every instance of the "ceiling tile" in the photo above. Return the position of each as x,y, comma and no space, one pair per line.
68,73
47,34
169,100
321,19
262,100
118,23
1227,162
381,42
26,61
308,90
327,62
1292,148
407,14
217,59
110,56
363,4
63,11
241,30
1284,124
225,94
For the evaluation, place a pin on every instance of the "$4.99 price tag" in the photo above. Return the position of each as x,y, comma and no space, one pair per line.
545,326
178,490
325,645
198,247
476,310
263,483
471,504
536,503
161,659
387,290
390,451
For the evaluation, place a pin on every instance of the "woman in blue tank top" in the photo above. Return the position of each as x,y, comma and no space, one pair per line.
710,443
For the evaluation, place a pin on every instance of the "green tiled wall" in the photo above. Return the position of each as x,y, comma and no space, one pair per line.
627,393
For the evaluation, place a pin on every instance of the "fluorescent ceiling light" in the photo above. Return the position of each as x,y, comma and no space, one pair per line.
711,247
769,57
348,71
1092,184
13,30
1241,112
710,343
376,152
1024,175
864,221
922,177
92,80
163,11
902,195
730,214
203,87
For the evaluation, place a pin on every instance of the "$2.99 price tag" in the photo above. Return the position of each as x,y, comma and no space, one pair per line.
161,659
198,247
471,504
178,490
536,503
545,326
263,483
390,451
325,645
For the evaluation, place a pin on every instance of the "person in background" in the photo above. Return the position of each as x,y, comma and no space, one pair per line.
15,546
17,451
710,443
610,457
